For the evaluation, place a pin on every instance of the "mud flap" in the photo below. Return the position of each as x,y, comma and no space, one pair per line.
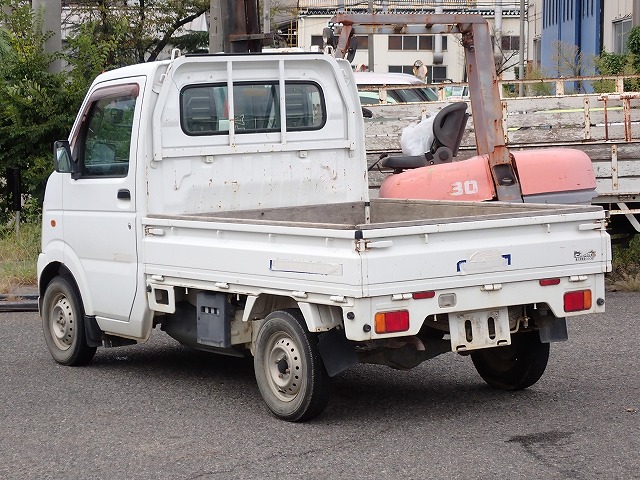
553,330
92,332
336,351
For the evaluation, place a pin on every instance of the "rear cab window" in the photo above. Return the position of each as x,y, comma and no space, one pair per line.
204,109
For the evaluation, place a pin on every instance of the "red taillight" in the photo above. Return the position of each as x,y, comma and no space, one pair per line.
545,282
421,295
576,301
389,322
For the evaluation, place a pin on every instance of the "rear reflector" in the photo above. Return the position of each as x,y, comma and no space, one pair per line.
389,322
549,281
577,301
421,295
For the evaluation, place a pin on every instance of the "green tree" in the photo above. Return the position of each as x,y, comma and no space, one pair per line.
34,103
127,33
614,64
633,45
571,62
38,107
609,63
541,88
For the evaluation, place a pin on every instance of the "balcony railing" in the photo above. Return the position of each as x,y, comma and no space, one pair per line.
390,5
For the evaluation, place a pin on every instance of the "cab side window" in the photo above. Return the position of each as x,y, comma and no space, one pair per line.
105,140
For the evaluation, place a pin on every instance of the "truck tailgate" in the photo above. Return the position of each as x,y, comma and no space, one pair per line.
495,251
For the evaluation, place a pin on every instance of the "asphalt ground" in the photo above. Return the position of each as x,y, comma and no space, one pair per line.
163,411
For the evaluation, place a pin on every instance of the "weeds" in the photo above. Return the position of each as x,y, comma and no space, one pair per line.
626,283
18,256
625,276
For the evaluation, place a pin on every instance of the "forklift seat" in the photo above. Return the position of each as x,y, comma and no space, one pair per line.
448,129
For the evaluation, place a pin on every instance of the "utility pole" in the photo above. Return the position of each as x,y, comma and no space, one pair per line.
497,34
52,19
370,52
236,26
266,16
216,30
437,40
521,51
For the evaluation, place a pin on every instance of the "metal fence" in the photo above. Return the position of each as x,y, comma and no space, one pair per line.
388,5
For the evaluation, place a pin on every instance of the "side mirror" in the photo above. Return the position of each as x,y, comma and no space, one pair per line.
62,160
62,156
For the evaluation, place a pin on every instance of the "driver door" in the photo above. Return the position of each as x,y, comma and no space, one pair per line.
99,205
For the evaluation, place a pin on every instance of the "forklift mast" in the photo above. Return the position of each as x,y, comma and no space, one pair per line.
484,90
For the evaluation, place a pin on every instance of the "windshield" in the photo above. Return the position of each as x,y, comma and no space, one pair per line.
401,95
421,94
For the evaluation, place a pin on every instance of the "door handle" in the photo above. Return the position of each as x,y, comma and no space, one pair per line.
124,194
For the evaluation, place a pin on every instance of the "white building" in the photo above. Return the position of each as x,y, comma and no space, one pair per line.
398,53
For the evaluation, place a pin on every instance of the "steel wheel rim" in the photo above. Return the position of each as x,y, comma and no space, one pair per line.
62,323
283,365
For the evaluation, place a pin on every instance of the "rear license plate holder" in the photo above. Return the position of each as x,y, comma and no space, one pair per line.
479,329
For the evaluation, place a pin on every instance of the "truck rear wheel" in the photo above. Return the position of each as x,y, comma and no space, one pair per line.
516,366
63,323
289,370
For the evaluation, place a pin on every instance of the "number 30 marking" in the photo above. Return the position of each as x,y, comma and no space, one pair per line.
470,187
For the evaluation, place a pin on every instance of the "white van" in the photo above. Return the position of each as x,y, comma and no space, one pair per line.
372,88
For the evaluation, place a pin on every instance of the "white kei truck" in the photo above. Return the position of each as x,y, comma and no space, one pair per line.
224,199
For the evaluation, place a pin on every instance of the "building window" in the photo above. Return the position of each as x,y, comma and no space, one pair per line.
395,42
510,42
363,41
537,51
621,30
438,73
410,43
435,73
316,41
401,69
413,42
427,42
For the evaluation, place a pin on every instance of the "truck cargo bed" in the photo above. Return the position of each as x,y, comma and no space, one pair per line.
385,213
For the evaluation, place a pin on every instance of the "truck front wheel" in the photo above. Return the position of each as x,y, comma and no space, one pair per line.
63,323
289,370
516,366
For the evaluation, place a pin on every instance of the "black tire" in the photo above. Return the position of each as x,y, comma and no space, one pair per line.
289,370
516,366
63,323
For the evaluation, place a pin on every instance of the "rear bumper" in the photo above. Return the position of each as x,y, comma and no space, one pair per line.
359,320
